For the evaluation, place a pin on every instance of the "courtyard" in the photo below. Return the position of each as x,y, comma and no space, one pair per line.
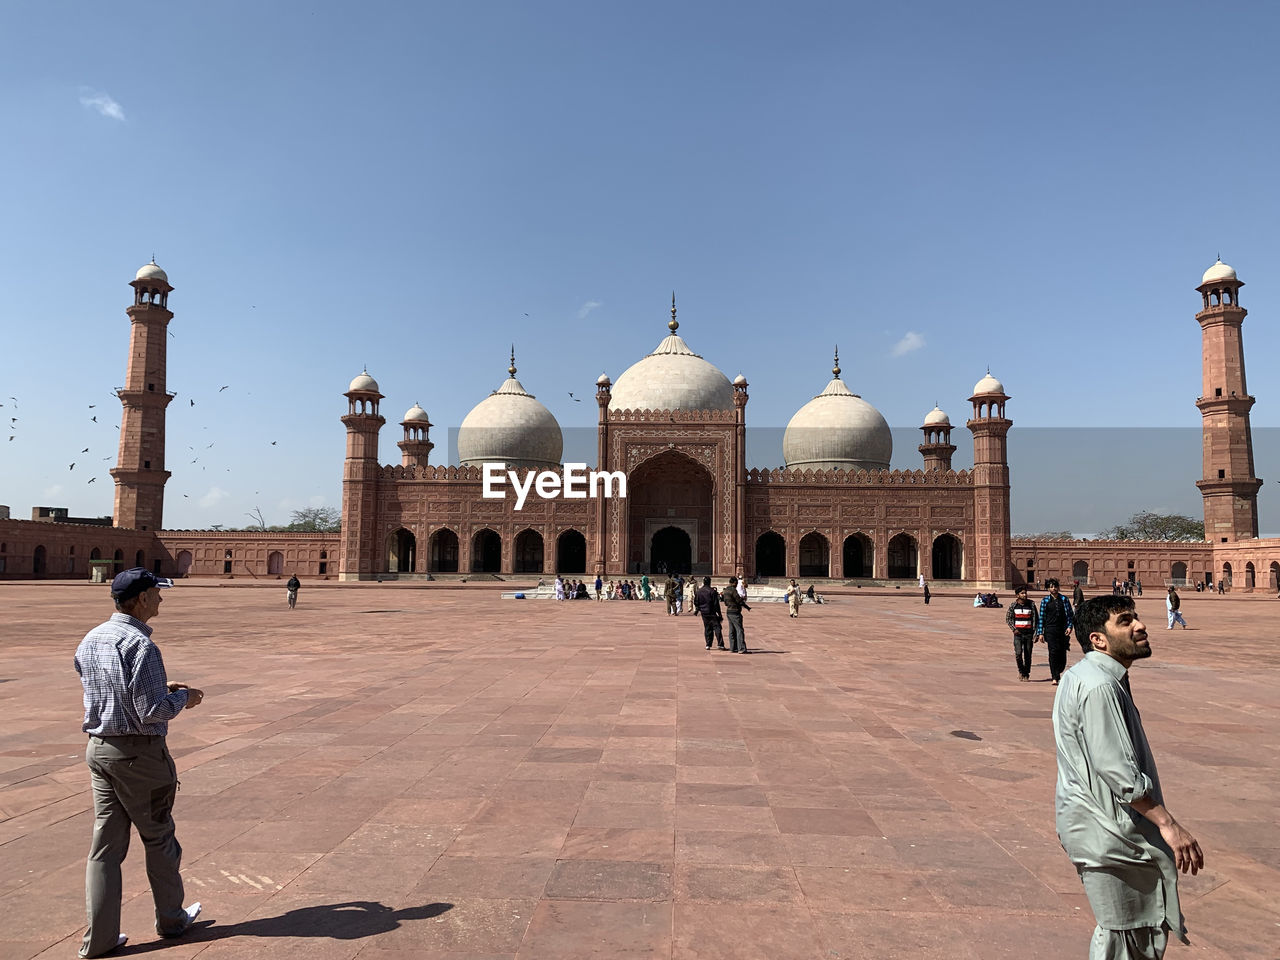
429,771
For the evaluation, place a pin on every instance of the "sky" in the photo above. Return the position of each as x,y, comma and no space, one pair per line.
937,188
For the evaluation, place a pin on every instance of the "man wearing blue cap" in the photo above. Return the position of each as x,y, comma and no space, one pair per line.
128,703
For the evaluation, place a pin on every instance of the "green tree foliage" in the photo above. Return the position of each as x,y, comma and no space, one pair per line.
1045,535
316,520
1145,525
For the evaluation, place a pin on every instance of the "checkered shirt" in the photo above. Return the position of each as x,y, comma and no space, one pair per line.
125,689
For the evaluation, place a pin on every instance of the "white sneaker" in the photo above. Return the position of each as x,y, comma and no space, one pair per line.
192,912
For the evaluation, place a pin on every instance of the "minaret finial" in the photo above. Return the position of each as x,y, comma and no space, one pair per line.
835,368
674,325
512,369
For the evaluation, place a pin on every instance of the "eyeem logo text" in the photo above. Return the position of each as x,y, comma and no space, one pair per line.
575,483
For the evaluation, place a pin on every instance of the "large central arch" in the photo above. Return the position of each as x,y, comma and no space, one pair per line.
670,490
671,550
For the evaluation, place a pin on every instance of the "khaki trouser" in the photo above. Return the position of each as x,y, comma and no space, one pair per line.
134,783
1144,943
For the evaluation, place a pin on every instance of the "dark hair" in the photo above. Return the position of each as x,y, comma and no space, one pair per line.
706,581
1052,582
1096,611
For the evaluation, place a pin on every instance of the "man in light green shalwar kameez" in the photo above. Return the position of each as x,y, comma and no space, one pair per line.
1111,817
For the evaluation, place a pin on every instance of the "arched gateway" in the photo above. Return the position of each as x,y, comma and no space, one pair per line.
670,516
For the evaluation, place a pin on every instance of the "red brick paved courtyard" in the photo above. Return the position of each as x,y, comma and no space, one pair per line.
398,772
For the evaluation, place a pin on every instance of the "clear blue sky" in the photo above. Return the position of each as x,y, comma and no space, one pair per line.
328,185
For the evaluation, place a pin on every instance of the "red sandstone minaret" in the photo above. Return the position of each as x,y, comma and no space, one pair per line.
990,482
416,445
360,473
139,471
937,447
1229,488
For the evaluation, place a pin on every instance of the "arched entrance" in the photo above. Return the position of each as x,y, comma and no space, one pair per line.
1178,573
529,552
443,549
1273,579
402,548
117,561
904,562
39,561
670,551
858,556
947,557
486,552
95,554
1250,575
815,556
1226,576
275,563
771,555
184,562
139,559
571,552
1080,571
670,490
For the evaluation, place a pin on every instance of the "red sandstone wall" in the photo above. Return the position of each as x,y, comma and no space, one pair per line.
1262,554
259,556
1151,562
68,547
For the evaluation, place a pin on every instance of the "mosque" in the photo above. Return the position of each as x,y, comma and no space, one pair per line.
675,427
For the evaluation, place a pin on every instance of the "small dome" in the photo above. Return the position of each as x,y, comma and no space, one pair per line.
1219,271
936,418
739,380
673,377
415,413
837,430
603,379
986,385
510,426
149,271
363,383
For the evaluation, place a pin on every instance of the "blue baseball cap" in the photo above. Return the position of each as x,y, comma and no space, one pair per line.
134,581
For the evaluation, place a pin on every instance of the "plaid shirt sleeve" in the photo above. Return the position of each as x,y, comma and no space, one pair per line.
150,690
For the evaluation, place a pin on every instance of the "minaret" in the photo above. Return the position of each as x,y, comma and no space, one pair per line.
139,471
937,447
740,398
360,473
990,482
416,445
604,388
1229,488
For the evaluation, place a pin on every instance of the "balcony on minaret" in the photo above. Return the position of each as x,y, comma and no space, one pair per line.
937,448
416,445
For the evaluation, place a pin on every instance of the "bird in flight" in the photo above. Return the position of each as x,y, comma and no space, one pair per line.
273,443
85,450
91,479
193,403
73,466
573,398
94,418
220,389
92,405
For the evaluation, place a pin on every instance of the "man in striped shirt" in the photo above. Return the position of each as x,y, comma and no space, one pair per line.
128,702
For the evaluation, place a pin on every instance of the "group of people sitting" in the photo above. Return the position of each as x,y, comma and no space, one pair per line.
987,600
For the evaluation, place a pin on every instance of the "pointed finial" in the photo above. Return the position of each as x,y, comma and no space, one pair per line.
674,325
835,368
512,369
153,259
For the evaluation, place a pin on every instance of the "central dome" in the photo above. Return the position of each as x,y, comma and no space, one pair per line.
510,426
837,430
673,377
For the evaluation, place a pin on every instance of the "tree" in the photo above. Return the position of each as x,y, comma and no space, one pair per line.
257,518
1046,535
1146,525
316,520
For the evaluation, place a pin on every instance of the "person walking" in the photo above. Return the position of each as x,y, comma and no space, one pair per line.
559,587
690,594
1171,604
927,594
1077,595
669,595
679,594
599,588
1055,628
1022,618
734,604
1109,807
291,590
793,599
707,603
128,703
644,587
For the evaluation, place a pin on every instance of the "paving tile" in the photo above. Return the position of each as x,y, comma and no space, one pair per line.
734,883
744,931
609,880
568,930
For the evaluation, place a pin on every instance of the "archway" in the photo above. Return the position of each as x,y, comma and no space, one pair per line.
275,563
815,556
117,562
1273,579
1178,573
486,552
39,561
529,552
771,555
670,490
444,551
1249,576
571,552
904,561
95,554
1226,576
670,551
1080,571
139,559
947,557
859,556
402,548
184,562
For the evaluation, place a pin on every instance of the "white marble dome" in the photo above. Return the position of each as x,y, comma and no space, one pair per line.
602,380
150,271
1219,271
363,383
837,430
936,418
510,426
415,413
739,380
987,385
673,377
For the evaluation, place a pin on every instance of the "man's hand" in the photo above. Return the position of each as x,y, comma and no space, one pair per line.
1039,638
1186,851
175,685
194,696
